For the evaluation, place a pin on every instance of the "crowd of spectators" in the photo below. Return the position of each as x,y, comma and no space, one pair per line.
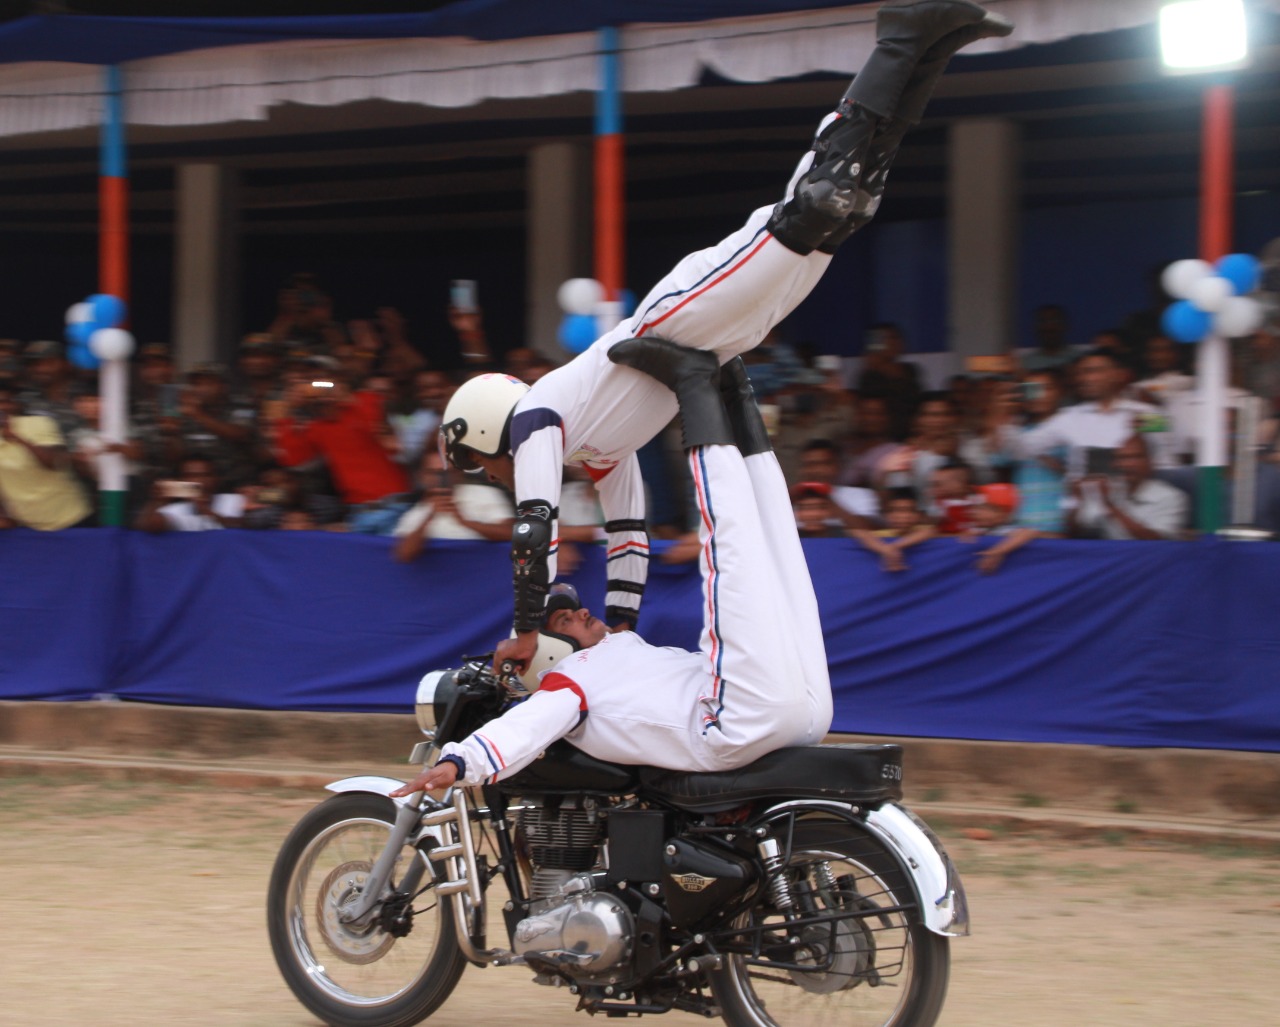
321,425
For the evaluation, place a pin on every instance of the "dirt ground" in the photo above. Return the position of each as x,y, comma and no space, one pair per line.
141,904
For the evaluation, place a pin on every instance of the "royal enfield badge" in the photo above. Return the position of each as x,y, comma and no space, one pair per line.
693,882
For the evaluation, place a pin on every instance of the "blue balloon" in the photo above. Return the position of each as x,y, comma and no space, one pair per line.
108,311
1240,269
628,300
79,331
577,332
80,355
1185,321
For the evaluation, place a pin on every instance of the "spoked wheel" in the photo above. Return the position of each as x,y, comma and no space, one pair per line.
864,959
390,970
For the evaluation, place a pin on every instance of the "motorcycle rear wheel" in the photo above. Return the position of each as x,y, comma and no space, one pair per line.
883,967
355,976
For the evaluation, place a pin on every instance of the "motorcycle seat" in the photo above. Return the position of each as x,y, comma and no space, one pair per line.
861,774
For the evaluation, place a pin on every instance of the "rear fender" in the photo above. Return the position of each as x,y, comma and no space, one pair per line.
943,904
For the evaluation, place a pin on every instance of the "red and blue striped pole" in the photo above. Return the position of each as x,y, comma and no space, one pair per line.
1213,357
113,279
609,204
113,192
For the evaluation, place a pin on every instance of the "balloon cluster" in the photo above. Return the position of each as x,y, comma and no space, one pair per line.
94,333
585,307
1212,298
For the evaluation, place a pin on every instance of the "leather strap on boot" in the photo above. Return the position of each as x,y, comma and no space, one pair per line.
749,432
693,375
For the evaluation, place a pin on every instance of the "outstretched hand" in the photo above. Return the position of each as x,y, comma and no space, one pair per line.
441,776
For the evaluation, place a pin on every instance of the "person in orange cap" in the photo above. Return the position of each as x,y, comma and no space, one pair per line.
992,514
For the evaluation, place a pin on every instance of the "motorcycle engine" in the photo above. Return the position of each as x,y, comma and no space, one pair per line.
578,930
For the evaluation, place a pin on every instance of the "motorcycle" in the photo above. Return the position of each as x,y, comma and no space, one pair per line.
791,892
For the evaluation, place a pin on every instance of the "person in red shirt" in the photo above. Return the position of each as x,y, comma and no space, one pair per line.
324,419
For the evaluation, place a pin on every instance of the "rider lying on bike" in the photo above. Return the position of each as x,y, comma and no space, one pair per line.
746,691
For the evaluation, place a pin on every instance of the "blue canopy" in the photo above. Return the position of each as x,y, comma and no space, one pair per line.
87,39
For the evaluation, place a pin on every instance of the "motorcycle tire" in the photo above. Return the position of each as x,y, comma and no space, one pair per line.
348,976
881,967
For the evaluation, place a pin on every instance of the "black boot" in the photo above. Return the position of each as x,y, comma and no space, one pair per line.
693,375
827,195
749,432
904,34
911,106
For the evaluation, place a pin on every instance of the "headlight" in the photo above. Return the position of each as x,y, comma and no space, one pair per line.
425,707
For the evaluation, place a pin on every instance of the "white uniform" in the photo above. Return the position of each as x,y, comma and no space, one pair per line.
596,414
1088,424
758,683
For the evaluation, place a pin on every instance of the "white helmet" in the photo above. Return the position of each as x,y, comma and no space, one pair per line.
478,418
552,648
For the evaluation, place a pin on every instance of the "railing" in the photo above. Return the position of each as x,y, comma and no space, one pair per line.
1121,643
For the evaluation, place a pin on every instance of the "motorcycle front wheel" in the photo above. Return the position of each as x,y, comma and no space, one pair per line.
374,974
867,961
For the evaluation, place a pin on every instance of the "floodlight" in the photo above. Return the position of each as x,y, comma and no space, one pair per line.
1203,35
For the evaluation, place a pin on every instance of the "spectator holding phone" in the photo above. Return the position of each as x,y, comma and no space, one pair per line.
452,507
190,502
1039,480
1105,419
37,487
1129,505
349,432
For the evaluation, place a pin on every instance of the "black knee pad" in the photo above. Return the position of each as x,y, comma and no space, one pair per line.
803,223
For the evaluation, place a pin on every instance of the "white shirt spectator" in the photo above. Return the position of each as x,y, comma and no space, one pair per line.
857,501
481,503
182,515
1164,387
1157,504
1087,426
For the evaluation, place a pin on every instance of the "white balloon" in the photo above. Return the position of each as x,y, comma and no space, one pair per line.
79,312
111,344
1181,275
580,295
1210,293
1238,317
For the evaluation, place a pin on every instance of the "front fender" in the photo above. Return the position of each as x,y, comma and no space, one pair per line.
942,898
372,783
377,785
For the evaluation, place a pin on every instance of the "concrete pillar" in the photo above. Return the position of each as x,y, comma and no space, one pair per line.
558,244
206,259
983,205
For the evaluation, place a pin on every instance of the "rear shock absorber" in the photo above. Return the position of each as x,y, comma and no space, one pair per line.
776,873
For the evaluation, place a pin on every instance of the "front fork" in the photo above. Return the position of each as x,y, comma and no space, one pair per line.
442,833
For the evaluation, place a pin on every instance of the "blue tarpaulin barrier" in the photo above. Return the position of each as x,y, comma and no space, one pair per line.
1112,643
